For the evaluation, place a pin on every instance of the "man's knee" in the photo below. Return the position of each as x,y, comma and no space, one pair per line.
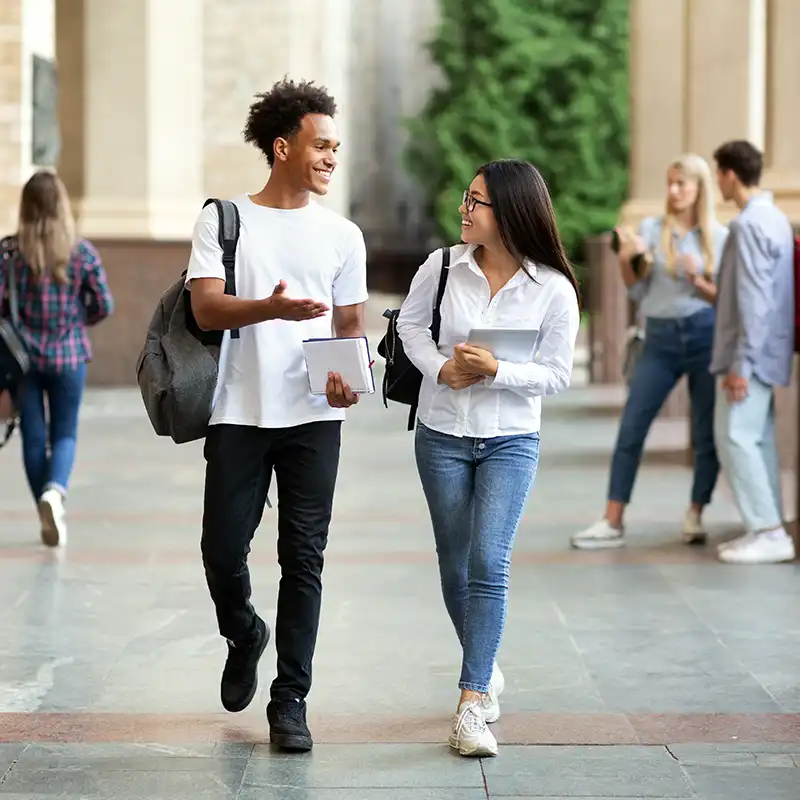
302,551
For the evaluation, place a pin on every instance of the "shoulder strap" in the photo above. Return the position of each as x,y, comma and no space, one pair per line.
436,323
11,281
228,236
13,297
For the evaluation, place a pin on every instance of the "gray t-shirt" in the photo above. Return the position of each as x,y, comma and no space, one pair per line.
666,296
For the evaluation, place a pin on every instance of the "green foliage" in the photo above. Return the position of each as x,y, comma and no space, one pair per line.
545,80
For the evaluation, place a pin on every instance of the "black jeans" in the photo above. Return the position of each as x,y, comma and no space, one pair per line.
239,464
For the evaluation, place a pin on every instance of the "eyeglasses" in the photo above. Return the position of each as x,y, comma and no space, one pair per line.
470,202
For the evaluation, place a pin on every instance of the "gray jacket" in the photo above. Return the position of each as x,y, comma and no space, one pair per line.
754,334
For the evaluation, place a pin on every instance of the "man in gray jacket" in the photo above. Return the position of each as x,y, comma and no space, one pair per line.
753,348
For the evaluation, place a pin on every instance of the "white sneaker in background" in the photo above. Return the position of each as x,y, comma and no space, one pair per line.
737,542
772,547
693,531
490,704
469,734
599,536
51,516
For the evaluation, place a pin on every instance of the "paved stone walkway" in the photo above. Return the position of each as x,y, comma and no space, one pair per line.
652,672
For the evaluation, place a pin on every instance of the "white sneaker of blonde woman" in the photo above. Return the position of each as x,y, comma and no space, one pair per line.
51,517
599,536
490,703
469,733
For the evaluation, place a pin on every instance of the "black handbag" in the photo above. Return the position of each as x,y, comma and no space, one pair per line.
15,362
401,379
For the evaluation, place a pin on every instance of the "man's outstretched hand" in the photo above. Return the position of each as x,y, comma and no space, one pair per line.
281,306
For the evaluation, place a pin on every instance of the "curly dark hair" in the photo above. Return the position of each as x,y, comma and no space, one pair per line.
278,113
743,158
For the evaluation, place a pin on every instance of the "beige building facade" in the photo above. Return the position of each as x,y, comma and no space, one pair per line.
153,94
704,71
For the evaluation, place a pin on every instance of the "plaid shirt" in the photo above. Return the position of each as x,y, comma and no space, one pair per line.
53,317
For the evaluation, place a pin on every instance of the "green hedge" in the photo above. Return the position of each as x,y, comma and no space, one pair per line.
545,80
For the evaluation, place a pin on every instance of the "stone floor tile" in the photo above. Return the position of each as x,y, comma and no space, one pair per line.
365,766
222,782
316,793
9,754
775,760
618,772
743,783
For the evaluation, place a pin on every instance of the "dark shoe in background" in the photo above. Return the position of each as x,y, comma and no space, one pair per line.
240,676
287,725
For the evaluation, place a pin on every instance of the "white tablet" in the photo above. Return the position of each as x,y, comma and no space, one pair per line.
506,344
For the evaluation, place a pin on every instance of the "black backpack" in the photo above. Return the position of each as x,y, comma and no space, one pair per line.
15,362
401,379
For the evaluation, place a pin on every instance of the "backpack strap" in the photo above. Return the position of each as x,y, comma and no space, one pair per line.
436,321
228,236
13,312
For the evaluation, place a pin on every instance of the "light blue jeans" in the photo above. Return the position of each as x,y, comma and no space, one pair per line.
748,453
476,491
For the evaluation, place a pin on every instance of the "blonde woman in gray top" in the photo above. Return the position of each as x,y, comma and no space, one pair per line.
675,293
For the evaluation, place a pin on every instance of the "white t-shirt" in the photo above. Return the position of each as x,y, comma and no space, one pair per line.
263,381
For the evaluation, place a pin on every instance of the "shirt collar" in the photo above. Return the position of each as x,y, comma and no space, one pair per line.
761,199
466,257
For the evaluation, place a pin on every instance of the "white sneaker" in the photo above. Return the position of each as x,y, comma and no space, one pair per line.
490,704
772,547
737,542
469,734
599,536
693,531
51,516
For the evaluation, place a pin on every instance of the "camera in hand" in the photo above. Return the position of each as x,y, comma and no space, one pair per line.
640,262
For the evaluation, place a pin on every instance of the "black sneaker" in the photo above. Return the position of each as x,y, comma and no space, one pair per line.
287,725
240,676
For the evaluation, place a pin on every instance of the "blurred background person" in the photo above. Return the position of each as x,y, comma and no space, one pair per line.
61,288
675,290
753,351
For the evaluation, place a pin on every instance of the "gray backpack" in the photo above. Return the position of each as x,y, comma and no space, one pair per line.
178,366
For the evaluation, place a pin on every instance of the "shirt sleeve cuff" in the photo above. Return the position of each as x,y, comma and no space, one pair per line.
743,368
435,365
502,378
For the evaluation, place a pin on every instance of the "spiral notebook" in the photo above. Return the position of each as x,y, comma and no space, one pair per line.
347,356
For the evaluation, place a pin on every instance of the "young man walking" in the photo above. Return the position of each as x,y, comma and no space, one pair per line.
753,344
299,267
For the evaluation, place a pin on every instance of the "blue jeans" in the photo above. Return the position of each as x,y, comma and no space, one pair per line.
476,491
673,348
49,451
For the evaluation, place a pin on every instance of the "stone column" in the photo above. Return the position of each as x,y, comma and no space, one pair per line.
658,76
783,107
26,31
143,134
725,73
247,47
10,111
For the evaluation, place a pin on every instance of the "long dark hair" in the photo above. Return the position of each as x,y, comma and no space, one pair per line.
524,213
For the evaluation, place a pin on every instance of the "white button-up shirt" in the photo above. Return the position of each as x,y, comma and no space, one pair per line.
509,403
